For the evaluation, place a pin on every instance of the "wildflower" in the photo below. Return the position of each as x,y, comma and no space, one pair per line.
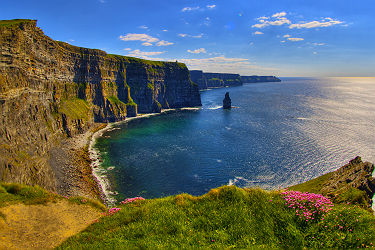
129,200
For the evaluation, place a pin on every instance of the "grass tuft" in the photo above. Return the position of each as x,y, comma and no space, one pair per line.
11,193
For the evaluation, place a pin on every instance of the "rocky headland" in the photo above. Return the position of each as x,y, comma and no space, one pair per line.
51,90
220,80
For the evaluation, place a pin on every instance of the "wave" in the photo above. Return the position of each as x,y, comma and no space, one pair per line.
214,107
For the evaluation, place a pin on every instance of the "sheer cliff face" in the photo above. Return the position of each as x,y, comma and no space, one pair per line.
50,89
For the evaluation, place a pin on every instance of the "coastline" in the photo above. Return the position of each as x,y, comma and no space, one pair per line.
98,172
70,162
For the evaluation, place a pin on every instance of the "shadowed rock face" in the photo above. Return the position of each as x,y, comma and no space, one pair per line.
227,102
50,90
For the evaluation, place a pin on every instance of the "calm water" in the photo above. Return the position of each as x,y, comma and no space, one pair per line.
280,134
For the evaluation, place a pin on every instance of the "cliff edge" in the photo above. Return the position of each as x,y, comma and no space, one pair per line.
51,90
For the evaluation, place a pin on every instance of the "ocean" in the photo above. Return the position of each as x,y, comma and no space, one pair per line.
277,135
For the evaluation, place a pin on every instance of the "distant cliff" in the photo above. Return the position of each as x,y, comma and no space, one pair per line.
219,80
253,79
50,90
214,80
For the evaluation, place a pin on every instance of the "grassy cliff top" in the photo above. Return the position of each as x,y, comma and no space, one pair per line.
5,23
227,217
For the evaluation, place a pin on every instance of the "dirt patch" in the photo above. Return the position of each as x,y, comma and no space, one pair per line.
43,226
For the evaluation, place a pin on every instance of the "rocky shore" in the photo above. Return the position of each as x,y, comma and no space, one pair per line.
71,165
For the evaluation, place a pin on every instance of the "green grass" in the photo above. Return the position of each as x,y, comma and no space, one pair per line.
314,185
225,217
85,201
13,193
344,195
16,193
75,108
114,100
7,23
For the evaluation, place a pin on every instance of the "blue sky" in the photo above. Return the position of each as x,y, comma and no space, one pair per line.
264,37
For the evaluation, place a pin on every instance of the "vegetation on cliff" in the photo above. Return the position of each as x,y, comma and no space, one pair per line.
224,217
227,217
352,183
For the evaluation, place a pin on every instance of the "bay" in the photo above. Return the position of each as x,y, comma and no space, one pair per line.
278,134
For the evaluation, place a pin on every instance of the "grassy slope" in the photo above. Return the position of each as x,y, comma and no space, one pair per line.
225,217
33,195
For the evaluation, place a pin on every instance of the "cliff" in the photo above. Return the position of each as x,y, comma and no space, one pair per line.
214,80
50,90
219,80
352,182
254,79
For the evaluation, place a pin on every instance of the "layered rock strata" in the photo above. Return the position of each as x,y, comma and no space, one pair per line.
50,90
219,80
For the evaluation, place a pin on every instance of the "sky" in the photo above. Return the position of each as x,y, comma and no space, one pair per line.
314,38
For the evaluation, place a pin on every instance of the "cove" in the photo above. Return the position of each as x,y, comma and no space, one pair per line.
281,134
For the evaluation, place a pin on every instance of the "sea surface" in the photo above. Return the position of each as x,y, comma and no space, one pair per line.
278,134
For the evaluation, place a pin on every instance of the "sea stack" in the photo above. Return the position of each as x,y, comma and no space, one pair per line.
227,102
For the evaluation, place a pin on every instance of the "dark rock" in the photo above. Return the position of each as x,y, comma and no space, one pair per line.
227,102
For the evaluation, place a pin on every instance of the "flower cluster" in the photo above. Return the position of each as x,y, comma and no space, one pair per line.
308,206
111,211
129,200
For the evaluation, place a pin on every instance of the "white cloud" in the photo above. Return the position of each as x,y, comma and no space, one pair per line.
165,30
143,27
164,43
138,37
102,1
147,44
190,9
286,36
144,54
278,22
282,41
327,22
258,33
295,39
211,6
280,18
223,64
197,51
127,49
280,14
319,44
315,53
193,36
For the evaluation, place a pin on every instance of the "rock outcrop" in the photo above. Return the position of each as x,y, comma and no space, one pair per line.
219,80
352,182
50,90
356,174
227,102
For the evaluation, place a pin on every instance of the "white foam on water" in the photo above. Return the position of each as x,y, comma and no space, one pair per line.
214,107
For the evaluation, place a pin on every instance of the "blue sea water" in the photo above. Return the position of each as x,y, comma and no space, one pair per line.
279,134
